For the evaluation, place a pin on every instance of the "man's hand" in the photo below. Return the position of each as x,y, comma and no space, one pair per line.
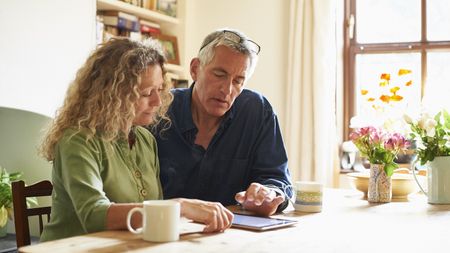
213,214
259,199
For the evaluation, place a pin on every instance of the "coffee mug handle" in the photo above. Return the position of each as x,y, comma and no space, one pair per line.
413,168
130,214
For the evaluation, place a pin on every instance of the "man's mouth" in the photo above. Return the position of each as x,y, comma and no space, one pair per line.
221,100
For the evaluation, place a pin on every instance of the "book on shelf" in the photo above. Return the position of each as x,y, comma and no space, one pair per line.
181,83
149,4
121,14
176,81
109,32
139,3
149,27
121,23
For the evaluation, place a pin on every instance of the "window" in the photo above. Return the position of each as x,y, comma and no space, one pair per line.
407,39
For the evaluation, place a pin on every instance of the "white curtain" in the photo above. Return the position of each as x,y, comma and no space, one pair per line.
311,93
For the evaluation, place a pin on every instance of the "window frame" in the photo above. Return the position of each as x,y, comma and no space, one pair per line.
352,48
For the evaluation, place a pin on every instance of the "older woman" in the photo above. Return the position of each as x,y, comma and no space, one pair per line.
104,161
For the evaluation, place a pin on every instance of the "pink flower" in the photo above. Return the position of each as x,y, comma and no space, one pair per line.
377,136
362,132
368,130
378,146
396,142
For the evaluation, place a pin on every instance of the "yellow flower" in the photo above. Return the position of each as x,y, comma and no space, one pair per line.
385,79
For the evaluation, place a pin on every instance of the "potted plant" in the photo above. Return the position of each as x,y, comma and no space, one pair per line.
6,202
380,148
432,135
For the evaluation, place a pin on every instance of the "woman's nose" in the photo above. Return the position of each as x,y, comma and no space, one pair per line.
156,100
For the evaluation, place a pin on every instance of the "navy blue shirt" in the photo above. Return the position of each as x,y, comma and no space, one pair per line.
246,148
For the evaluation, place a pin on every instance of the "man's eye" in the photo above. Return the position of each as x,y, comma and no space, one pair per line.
219,74
238,82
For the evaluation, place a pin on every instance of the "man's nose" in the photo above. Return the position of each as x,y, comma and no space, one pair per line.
226,87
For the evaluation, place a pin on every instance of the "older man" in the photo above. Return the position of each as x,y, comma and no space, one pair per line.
224,143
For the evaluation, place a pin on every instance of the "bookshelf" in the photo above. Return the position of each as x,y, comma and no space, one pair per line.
135,10
170,25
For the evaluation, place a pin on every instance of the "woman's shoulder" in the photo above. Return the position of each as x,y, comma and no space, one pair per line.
78,137
142,132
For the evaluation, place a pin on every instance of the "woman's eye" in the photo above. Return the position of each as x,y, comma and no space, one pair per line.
152,92
147,94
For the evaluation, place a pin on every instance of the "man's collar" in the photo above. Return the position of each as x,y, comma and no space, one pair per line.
186,116
186,113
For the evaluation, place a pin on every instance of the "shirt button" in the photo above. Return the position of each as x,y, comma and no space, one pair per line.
144,192
137,173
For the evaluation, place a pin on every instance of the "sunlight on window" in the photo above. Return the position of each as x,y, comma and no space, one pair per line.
388,21
437,89
381,93
438,20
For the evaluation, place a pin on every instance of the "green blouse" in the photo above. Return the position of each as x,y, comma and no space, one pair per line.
88,176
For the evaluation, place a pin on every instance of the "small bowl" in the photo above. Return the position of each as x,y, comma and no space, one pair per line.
402,184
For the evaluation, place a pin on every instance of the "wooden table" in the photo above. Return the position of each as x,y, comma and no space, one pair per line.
347,224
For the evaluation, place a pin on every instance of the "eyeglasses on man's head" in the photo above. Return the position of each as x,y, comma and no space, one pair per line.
237,39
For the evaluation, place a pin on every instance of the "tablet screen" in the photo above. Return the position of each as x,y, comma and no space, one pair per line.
260,223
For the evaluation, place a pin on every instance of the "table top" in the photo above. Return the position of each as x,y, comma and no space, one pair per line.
347,223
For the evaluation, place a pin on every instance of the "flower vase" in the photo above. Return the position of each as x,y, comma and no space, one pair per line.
380,185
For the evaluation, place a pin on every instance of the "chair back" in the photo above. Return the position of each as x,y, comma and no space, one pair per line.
22,212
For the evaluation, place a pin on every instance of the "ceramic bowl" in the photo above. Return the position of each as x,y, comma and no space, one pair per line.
402,184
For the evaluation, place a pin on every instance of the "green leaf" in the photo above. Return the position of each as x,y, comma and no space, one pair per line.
446,119
389,168
437,116
3,216
14,176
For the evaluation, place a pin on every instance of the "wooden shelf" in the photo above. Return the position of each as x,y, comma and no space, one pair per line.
135,10
170,24
174,68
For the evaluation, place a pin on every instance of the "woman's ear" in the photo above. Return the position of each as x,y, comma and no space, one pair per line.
194,67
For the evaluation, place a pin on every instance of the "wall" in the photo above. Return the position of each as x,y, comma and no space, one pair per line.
43,43
265,21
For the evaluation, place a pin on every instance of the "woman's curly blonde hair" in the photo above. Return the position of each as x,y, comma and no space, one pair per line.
102,98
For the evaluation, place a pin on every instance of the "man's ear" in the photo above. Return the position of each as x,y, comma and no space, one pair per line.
194,68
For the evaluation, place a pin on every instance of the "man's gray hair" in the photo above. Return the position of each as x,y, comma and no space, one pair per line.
217,38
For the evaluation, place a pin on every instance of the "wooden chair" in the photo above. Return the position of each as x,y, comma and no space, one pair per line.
22,212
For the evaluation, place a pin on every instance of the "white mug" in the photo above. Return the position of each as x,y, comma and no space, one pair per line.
308,196
160,219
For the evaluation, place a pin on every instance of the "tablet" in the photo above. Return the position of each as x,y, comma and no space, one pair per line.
260,223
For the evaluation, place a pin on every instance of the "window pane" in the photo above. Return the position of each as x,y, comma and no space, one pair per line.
437,89
438,20
380,21
379,99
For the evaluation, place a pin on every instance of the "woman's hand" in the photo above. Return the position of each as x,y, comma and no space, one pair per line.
213,214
